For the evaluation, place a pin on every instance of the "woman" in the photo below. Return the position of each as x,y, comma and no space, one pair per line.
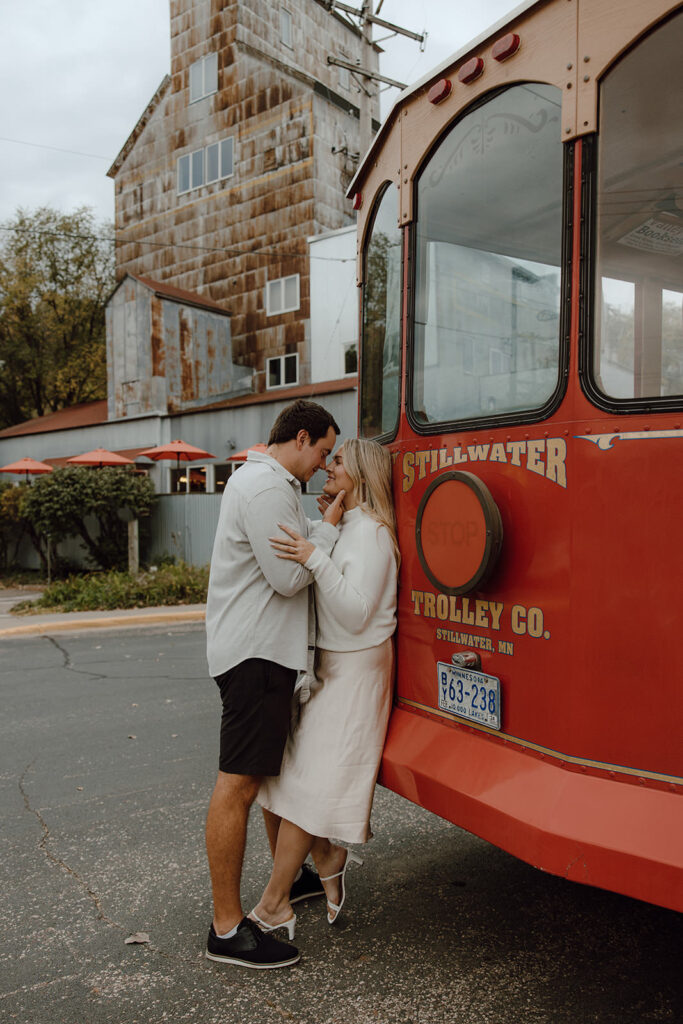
330,765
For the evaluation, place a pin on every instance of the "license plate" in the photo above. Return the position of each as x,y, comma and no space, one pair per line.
471,695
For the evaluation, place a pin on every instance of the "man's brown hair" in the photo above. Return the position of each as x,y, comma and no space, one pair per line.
302,415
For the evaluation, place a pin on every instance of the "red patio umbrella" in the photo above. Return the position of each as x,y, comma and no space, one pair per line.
178,450
242,456
100,457
26,465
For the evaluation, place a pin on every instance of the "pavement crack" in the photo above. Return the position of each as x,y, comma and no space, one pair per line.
68,664
94,897
62,650
57,861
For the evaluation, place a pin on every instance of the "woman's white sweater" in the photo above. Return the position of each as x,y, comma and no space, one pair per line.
355,587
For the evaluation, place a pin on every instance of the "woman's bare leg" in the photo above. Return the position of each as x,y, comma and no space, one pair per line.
272,823
329,859
293,846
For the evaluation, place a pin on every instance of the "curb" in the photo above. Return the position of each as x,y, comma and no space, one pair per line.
111,622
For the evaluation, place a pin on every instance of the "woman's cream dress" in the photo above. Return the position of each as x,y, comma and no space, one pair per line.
330,765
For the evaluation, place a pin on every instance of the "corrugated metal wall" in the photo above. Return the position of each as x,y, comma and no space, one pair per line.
184,525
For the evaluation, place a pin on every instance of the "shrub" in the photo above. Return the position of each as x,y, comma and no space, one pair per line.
168,585
59,505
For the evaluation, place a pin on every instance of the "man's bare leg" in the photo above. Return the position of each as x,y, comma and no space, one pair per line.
226,834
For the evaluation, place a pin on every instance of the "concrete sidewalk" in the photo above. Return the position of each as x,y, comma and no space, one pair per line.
63,622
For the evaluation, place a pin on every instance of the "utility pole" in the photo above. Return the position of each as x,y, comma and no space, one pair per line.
366,132
367,18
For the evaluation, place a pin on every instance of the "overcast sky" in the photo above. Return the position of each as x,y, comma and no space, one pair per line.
77,74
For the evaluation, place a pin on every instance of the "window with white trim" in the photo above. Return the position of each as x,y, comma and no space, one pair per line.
223,472
282,295
286,27
212,163
282,371
203,77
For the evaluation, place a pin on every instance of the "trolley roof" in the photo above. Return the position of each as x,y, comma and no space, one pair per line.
434,73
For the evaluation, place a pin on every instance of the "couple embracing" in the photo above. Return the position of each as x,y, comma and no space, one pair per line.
314,780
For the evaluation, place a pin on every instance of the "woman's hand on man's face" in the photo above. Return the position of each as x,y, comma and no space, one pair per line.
332,510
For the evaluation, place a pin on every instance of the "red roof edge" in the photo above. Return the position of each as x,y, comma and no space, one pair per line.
87,414
169,291
312,391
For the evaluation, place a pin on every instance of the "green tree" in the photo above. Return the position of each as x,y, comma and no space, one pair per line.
56,273
14,526
83,502
7,522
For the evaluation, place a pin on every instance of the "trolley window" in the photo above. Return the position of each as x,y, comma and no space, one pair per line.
638,352
381,340
489,249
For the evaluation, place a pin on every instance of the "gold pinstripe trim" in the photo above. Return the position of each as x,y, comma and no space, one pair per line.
528,745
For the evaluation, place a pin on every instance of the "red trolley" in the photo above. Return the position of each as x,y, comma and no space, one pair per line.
521,266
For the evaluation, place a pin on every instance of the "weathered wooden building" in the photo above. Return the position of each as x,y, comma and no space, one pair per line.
242,154
168,351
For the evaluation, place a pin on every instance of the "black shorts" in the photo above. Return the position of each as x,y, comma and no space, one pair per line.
256,697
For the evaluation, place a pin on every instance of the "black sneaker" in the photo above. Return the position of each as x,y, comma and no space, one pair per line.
250,947
307,886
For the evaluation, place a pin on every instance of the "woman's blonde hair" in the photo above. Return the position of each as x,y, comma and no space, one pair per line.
369,466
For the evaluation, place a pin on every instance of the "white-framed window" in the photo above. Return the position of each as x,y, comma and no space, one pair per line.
220,160
286,27
197,168
351,359
203,77
183,166
223,472
282,295
282,371
204,166
188,480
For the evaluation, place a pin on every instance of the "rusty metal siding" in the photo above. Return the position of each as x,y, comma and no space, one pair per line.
167,355
228,239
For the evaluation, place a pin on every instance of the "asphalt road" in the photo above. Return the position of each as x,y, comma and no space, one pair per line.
107,757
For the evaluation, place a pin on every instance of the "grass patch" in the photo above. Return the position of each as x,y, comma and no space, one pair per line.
170,584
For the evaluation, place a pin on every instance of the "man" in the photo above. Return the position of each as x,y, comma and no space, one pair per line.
257,641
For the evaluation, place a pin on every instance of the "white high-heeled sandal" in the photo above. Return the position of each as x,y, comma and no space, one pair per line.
289,924
351,857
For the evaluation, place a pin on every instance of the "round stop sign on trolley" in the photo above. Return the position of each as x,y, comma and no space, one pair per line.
459,532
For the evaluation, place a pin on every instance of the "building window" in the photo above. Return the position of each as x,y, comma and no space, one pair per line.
286,27
351,358
183,174
219,160
223,472
282,295
197,164
213,163
188,480
203,77
282,371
